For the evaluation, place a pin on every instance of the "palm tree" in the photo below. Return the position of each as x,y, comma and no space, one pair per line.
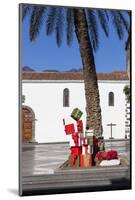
85,23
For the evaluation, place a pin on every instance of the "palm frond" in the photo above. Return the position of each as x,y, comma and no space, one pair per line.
117,23
70,26
103,21
59,26
36,21
124,21
51,20
93,29
25,10
107,15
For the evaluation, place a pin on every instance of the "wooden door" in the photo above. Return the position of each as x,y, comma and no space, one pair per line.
26,125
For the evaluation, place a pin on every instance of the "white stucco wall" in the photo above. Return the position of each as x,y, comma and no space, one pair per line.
46,100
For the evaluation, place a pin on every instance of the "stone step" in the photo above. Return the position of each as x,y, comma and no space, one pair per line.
72,184
78,178
70,174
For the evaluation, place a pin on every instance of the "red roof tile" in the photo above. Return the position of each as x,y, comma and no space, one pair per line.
115,75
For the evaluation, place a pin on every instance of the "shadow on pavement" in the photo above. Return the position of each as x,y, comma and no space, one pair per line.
116,184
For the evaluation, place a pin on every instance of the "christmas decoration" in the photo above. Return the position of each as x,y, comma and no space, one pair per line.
76,114
86,149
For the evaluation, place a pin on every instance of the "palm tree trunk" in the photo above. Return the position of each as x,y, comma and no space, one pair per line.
93,109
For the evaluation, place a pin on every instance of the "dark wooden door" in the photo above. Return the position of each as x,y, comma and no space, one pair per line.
26,125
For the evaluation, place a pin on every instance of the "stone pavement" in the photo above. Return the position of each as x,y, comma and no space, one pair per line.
40,171
43,158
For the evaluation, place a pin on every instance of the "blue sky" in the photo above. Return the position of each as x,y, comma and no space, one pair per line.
44,53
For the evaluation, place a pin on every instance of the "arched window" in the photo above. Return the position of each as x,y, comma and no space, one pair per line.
66,97
111,99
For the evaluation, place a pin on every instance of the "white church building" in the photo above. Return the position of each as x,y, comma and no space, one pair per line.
51,96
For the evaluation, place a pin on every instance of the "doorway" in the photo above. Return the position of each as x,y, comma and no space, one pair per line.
28,125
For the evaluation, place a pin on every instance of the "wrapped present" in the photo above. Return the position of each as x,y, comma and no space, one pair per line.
90,141
90,136
84,141
84,149
75,138
87,149
74,161
69,129
80,126
86,160
81,160
76,114
89,133
80,142
77,162
90,160
76,151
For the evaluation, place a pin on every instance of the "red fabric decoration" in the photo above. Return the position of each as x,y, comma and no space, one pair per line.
111,155
101,155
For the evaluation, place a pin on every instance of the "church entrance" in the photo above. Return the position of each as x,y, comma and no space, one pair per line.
28,125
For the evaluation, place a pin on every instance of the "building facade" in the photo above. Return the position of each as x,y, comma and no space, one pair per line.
53,96
128,63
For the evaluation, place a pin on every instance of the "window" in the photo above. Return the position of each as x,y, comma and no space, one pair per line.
111,99
66,97
23,98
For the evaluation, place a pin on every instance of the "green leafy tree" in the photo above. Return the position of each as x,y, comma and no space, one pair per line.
85,23
126,90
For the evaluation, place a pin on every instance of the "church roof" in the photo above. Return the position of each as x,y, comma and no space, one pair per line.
115,75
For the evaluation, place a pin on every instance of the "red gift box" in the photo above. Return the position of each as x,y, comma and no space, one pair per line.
75,137
76,151
85,149
69,129
80,126
86,160
85,141
82,160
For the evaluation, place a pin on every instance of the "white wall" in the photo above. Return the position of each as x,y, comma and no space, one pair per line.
113,114
46,99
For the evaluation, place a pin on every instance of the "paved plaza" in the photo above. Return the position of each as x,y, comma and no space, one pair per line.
40,170
43,158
